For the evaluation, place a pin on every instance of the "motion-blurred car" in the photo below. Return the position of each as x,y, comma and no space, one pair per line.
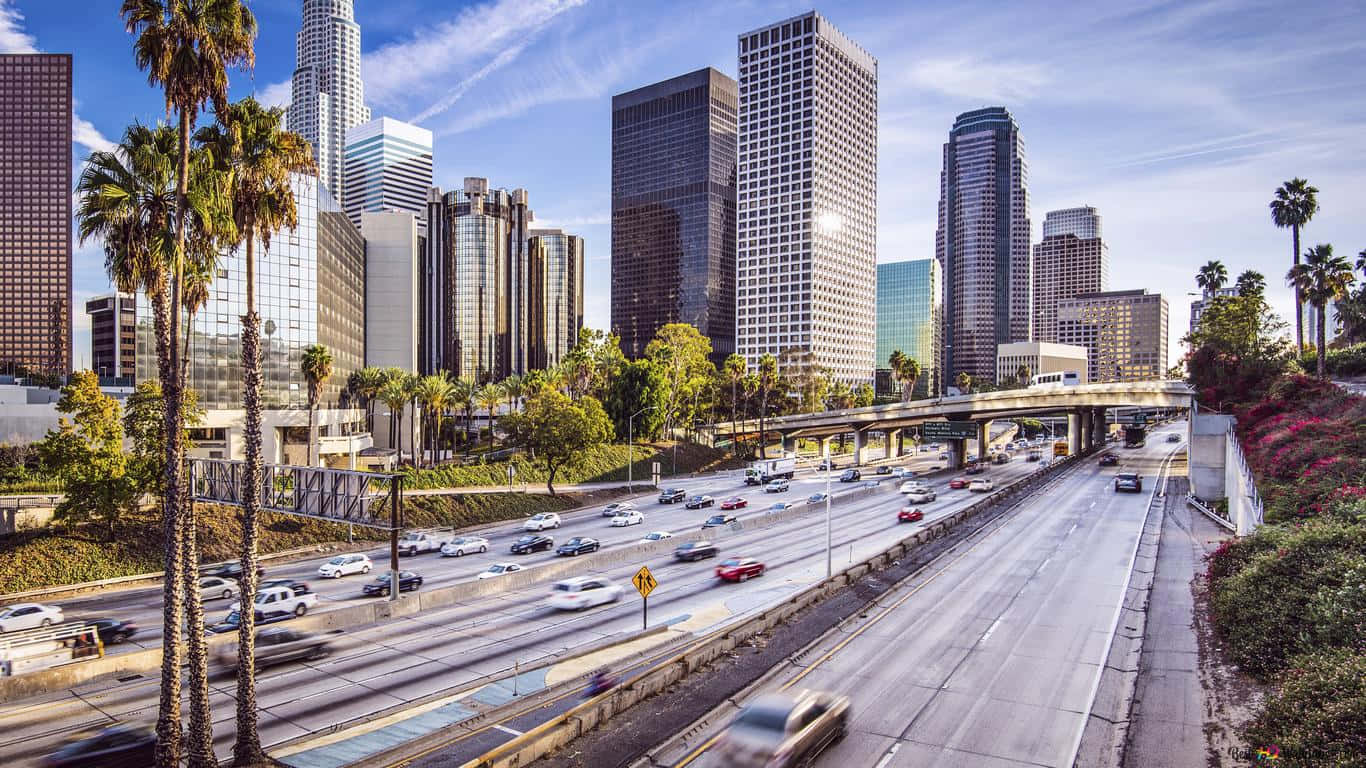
818,497
629,517
276,645
583,592
1034,456
912,486
974,469
1128,481
671,495
982,485
532,542
542,521
298,587
734,502
694,550
826,464
699,501
463,545
344,565
498,569
29,616
1109,460
781,506
958,483
884,470
579,545
215,587
617,507
118,746
921,495
231,570
716,521
910,515
1174,438
850,475
656,536
779,729
407,582
739,569
113,631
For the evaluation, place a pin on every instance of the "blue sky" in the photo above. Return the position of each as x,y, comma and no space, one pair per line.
1176,119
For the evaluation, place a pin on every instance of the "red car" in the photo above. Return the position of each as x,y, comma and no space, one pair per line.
734,502
909,515
958,483
739,569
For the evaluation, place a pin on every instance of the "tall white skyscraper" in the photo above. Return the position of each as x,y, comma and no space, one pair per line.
806,281
326,95
388,167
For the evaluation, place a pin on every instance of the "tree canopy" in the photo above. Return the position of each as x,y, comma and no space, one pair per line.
557,429
86,451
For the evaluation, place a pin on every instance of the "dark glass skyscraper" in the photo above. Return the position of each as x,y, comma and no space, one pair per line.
982,242
673,209
35,213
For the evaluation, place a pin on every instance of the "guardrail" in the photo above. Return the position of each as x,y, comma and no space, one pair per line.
1249,480
564,728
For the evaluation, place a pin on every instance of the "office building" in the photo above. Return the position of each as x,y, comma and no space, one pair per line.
1071,259
910,317
35,213
555,313
1199,306
113,336
327,97
392,288
388,167
806,201
673,210
1040,357
982,241
1124,333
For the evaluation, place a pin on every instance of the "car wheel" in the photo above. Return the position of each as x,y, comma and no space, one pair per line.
227,594
461,552
300,609
46,623
744,577
556,525
318,652
483,549
119,637
364,570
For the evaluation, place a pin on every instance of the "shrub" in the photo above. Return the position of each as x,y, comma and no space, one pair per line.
601,463
1317,717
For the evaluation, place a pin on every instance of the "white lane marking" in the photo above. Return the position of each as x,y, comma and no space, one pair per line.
887,758
507,730
1043,565
990,629
1069,530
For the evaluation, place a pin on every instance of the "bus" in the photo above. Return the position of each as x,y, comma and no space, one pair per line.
1065,378
1060,448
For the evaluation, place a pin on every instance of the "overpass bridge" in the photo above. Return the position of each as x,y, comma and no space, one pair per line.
1085,406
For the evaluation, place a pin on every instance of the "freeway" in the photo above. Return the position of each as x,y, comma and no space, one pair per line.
991,657
376,668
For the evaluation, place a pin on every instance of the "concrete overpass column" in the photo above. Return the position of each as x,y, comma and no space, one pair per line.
1087,419
1073,432
860,442
893,444
983,440
1098,427
825,447
958,451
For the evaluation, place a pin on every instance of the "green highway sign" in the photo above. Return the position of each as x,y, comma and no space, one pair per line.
948,430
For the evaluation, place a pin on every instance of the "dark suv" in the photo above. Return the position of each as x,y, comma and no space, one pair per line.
695,550
670,495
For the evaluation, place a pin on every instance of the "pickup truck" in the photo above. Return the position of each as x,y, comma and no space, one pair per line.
417,542
272,604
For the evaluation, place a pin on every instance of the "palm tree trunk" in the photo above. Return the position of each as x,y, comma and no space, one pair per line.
763,412
172,604
734,442
1299,296
312,413
412,431
1322,341
246,750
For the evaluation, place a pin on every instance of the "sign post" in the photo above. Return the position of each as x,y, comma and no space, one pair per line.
645,584
512,472
654,473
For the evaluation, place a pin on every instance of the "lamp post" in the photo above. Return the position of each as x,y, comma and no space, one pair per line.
828,464
631,446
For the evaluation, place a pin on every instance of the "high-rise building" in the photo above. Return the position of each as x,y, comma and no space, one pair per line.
910,317
673,209
982,241
1071,259
388,167
327,96
806,204
35,213
1040,357
555,314
392,288
1124,333
113,335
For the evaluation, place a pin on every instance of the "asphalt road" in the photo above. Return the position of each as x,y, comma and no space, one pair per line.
992,658
378,667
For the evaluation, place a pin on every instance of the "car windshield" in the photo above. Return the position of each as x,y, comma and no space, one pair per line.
573,541
730,563
497,568
1127,476
526,539
336,560
538,517
563,587
763,718
716,519
653,536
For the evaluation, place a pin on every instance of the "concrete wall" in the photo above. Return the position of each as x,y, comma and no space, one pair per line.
1208,449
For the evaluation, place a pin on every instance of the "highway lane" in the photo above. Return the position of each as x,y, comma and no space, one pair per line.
989,659
374,668
142,606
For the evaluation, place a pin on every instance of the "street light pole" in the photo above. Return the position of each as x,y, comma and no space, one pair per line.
828,464
631,447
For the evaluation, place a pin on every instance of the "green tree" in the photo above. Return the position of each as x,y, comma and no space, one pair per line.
144,424
512,390
1023,375
86,452
863,395
558,430
394,395
734,370
638,385
1320,279
488,397
964,382
1236,350
1212,277
435,393
906,370
768,377
1250,282
366,383
316,366
682,353
1294,204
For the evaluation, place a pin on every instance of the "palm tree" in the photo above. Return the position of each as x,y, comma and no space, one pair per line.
394,395
488,397
768,376
1212,277
905,369
964,382
1022,375
734,369
410,384
260,157
1251,283
512,390
1321,277
366,383
435,392
1294,205
316,366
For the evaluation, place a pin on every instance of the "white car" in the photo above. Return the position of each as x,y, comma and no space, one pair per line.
629,517
656,536
345,565
499,569
460,546
29,616
913,486
582,592
616,508
542,521
213,587
981,485
920,496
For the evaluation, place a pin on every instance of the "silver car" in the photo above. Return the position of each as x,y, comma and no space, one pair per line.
463,545
784,730
214,587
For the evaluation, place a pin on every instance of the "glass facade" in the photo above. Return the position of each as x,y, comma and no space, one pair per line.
35,213
310,290
555,314
327,95
388,166
982,242
673,209
910,317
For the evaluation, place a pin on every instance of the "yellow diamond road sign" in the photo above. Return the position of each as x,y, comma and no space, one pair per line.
644,581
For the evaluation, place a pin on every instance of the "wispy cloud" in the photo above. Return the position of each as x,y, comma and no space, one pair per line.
88,136
13,39
275,94
977,79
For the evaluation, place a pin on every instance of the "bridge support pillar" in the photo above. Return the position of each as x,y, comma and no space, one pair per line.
1073,432
983,440
893,444
860,443
825,446
958,451
1098,428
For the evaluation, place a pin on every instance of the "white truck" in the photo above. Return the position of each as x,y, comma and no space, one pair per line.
427,540
272,604
760,472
